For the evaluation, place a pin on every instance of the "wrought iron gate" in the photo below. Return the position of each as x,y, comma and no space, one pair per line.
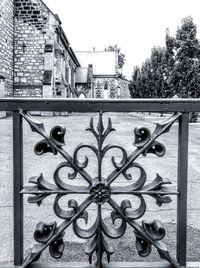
99,189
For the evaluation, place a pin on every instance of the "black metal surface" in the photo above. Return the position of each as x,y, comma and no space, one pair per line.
96,105
100,191
18,184
182,188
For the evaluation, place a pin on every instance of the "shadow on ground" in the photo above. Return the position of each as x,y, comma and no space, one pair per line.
125,249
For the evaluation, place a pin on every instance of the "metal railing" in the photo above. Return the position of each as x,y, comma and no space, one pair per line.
100,190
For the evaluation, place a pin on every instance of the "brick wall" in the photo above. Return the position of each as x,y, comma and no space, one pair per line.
34,24
6,46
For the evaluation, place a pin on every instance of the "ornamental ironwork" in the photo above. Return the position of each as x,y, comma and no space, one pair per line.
100,190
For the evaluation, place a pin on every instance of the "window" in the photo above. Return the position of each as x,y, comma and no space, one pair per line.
106,90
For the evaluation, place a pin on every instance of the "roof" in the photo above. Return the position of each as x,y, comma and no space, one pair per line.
81,75
63,36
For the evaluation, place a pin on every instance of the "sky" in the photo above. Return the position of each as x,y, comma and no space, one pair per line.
134,25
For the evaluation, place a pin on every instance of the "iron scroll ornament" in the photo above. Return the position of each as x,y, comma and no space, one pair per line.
99,191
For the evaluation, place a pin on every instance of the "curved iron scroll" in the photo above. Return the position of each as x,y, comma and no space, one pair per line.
100,191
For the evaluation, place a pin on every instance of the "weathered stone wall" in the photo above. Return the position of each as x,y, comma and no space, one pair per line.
64,72
6,46
34,24
41,57
100,84
117,88
124,89
34,51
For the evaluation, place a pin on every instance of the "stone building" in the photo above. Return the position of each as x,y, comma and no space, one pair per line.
6,48
45,64
36,59
99,73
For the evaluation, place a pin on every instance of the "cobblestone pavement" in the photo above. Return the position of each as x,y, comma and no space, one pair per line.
75,125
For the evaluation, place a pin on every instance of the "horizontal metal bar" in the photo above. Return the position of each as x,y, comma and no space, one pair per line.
145,192
111,265
94,105
63,192
86,192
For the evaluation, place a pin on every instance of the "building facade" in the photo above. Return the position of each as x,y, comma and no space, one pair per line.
36,59
6,47
99,71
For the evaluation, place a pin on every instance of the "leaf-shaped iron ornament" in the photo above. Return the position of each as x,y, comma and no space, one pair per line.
39,184
56,249
100,133
44,147
142,136
155,232
44,232
94,247
57,134
156,148
100,191
142,246
158,190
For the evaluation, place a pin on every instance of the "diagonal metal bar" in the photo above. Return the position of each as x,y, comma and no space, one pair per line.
34,125
64,225
139,230
135,154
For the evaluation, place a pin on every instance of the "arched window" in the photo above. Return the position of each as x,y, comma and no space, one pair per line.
98,90
113,94
106,90
81,96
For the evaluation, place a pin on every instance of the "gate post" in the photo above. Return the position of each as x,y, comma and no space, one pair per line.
17,187
182,189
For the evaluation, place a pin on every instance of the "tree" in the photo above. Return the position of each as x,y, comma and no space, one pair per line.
158,77
135,85
185,75
169,62
121,58
151,79
172,70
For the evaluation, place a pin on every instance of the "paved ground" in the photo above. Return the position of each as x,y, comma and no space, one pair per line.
75,125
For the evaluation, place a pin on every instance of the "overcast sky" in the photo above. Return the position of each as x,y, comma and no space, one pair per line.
135,25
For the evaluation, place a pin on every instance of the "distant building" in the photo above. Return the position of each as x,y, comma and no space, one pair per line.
36,59
99,73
